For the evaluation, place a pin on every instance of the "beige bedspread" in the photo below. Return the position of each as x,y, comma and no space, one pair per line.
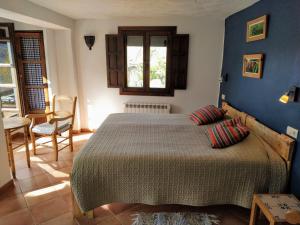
166,159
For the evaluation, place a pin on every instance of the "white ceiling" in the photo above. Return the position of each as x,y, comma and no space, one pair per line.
99,9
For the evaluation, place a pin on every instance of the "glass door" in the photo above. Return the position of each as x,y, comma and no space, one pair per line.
9,94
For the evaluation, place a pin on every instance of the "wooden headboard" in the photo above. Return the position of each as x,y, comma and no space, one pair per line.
281,143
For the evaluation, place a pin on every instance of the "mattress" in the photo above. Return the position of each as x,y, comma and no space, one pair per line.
167,159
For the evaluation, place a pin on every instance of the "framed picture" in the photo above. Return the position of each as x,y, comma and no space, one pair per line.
252,65
257,29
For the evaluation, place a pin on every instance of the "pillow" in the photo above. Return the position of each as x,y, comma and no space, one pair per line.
232,122
207,114
222,136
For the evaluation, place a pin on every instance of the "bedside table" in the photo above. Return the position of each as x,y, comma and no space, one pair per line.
273,206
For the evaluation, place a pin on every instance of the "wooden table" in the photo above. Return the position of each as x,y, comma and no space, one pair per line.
275,207
12,124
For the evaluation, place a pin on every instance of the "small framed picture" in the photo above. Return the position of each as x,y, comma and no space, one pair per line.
252,65
257,29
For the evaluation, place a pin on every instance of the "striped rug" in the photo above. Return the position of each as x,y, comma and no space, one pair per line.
182,218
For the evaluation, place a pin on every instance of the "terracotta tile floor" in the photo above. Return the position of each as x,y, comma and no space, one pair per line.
41,195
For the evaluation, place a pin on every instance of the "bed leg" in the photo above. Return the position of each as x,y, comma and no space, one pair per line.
89,214
77,213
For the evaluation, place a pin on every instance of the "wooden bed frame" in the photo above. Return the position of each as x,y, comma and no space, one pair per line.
280,143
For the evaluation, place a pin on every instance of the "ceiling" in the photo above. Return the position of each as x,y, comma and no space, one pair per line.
100,9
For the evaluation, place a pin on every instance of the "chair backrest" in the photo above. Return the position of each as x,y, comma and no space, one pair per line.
64,106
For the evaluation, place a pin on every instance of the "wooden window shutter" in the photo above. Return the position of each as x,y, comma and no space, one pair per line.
31,64
114,60
180,48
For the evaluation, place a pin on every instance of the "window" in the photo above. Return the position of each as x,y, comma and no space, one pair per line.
147,60
9,95
147,71
158,61
135,61
23,79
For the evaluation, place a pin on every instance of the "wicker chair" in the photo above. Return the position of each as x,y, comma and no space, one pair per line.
58,121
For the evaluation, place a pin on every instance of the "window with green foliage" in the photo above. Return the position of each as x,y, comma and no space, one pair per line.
150,60
146,58
135,61
8,84
158,61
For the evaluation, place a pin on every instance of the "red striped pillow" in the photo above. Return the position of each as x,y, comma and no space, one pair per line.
232,122
207,114
222,136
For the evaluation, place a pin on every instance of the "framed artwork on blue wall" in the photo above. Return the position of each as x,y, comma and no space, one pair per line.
252,65
257,29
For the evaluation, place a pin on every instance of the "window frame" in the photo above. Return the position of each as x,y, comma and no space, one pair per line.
147,32
13,69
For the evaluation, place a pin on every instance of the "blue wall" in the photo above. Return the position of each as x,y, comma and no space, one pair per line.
259,97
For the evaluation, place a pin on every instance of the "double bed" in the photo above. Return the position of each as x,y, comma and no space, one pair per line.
167,159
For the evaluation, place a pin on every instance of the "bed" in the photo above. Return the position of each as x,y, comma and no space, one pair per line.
167,159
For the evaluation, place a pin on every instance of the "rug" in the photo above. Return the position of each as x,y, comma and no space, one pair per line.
183,218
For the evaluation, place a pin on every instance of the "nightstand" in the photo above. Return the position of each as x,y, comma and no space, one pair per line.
273,206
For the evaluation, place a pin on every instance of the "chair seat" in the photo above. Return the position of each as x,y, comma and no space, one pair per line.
48,129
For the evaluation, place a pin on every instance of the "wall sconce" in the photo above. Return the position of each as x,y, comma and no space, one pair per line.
224,77
89,40
290,95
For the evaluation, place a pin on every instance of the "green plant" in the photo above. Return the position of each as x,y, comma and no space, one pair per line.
257,29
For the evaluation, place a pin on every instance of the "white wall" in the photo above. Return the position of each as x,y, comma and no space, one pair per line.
67,71
205,57
4,166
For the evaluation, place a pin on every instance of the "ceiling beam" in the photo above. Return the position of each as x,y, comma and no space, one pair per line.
28,12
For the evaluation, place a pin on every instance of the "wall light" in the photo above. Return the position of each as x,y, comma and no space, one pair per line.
290,95
224,77
89,40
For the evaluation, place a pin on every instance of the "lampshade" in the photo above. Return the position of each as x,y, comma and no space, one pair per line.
289,96
284,98
89,40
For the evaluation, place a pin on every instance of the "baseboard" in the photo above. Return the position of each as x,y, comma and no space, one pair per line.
87,130
76,131
7,186
84,130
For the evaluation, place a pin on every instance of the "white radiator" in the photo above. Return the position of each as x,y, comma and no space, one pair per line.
142,107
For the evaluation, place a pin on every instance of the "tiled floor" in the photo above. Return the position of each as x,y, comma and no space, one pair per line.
42,195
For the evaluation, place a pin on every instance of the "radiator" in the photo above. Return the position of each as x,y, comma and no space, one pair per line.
142,107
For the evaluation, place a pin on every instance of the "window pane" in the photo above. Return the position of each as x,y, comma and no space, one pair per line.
135,61
4,52
8,98
5,75
158,61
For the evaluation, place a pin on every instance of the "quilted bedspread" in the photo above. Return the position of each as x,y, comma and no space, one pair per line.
167,159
